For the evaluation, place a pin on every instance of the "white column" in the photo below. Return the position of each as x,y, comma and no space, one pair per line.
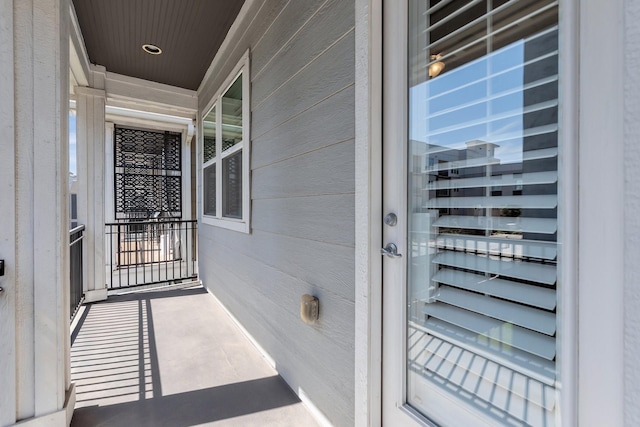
601,184
90,151
34,235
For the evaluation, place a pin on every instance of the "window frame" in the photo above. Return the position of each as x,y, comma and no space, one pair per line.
243,224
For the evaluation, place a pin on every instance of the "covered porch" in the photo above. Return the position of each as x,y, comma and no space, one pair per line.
136,361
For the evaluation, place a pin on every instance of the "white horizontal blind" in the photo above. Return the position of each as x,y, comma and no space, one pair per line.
483,206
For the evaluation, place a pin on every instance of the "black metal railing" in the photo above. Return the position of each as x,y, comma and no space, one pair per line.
151,252
76,294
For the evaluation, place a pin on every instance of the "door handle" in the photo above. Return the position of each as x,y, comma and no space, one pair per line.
391,250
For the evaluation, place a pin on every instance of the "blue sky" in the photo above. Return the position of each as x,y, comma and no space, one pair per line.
72,142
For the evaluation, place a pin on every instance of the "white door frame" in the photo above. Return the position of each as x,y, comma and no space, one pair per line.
394,137
368,213
394,119
588,26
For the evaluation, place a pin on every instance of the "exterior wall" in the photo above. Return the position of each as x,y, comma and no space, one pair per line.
34,235
631,209
303,195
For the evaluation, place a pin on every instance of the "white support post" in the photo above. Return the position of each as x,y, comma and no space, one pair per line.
601,184
90,146
34,236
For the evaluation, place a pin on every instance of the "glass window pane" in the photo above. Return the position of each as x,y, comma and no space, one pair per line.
209,199
209,143
73,170
232,186
483,205
232,115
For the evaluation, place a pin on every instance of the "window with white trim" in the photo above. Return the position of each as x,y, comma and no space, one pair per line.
225,154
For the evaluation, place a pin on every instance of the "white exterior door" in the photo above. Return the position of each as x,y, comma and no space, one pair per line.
470,167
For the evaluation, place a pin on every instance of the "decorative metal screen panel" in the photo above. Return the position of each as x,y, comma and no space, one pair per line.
148,174
209,148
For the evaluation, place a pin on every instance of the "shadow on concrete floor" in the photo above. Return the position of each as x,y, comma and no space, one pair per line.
194,407
173,358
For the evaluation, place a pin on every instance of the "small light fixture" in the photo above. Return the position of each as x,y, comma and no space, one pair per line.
151,49
309,309
437,67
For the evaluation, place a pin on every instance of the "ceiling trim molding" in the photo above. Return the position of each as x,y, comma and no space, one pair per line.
148,121
80,66
144,95
249,10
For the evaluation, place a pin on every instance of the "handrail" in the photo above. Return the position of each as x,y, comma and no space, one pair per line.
151,222
81,227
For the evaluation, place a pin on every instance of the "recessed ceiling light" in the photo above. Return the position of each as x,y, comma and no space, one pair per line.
152,49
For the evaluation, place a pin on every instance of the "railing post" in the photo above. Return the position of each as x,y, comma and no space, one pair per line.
76,269
90,140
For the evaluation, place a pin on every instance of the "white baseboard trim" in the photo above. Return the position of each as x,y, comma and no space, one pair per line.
155,287
313,409
70,402
61,418
246,333
95,295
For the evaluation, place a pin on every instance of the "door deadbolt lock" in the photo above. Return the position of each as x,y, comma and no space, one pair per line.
391,250
391,219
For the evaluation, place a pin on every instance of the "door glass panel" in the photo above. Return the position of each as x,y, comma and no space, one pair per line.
483,211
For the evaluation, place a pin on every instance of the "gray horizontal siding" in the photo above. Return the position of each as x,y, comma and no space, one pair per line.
334,19
326,377
323,265
328,170
307,89
307,131
323,218
302,190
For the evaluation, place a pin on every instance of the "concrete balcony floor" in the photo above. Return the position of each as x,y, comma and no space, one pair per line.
173,358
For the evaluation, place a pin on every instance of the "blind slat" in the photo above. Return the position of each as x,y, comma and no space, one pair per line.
534,272
544,153
482,36
465,27
536,296
513,247
485,78
516,336
515,112
547,201
503,136
457,12
533,178
527,317
519,224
